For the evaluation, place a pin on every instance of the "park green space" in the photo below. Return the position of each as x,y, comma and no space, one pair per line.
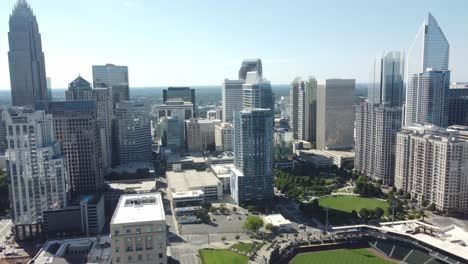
222,256
348,256
245,247
348,203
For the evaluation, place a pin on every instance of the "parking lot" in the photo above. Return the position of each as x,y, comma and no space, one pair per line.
221,223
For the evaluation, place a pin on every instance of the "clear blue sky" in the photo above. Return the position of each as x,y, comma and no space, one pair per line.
193,42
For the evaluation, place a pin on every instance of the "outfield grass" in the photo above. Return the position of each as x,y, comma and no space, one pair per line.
221,256
348,256
348,203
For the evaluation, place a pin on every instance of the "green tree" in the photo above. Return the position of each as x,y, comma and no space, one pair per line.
253,223
222,208
4,197
432,207
202,214
234,209
379,212
364,213
354,214
424,203
251,208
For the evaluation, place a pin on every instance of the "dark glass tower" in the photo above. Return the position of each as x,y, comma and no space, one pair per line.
26,59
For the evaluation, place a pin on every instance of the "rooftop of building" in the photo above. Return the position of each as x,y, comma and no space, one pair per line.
276,220
329,153
187,194
137,185
135,208
190,179
221,170
94,250
199,158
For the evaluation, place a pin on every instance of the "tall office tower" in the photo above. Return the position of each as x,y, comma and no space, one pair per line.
257,93
458,104
252,177
429,50
294,106
387,84
376,128
38,173
335,114
80,90
433,97
173,137
113,76
2,133
432,164
224,137
132,133
301,105
26,59
232,98
76,129
200,135
219,112
49,88
193,135
250,65
180,94
392,72
138,230
207,134
310,110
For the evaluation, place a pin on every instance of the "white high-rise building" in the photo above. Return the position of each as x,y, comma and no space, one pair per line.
432,164
428,52
138,230
36,167
335,114
224,137
232,98
376,128
294,106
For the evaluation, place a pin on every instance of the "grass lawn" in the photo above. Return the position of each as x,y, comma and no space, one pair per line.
245,247
348,203
348,256
221,256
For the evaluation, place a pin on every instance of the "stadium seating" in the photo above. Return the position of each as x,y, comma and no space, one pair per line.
400,252
417,257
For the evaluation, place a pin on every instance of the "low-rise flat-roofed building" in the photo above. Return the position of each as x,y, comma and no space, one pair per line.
222,172
86,250
182,183
196,161
138,230
182,199
320,157
278,221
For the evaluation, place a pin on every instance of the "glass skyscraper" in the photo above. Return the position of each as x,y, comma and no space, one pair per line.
428,52
252,177
114,76
26,59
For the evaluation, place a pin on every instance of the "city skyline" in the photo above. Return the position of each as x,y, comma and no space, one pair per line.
204,44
